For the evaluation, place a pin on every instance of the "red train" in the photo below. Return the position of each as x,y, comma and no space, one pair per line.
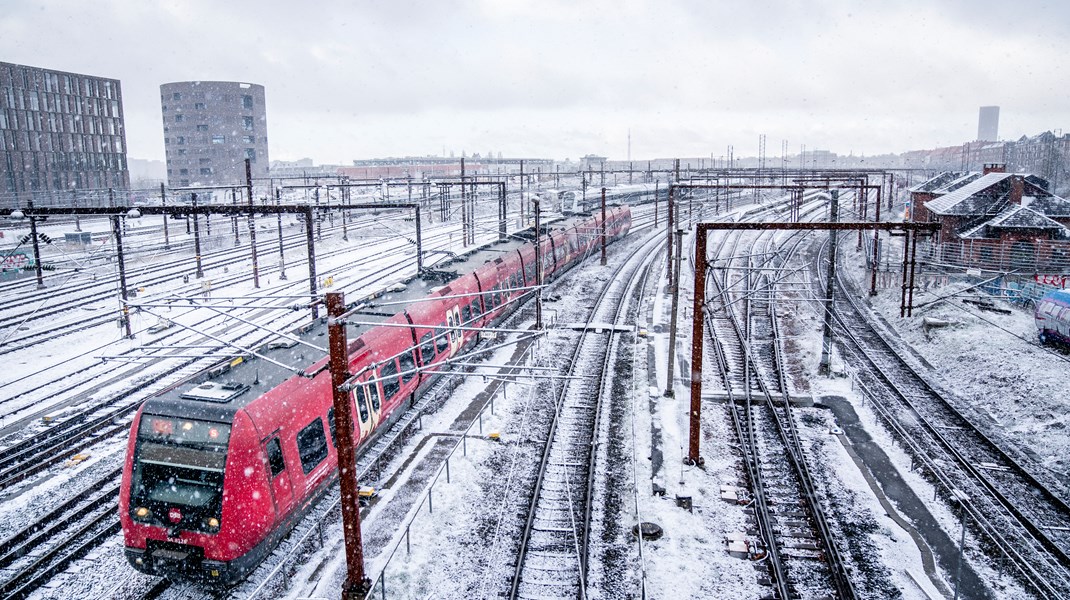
219,470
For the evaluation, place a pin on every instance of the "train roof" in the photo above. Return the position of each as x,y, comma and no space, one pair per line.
217,393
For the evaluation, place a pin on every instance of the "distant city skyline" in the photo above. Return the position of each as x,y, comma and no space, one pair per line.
556,79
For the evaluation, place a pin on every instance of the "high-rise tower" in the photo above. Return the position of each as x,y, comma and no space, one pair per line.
210,128
988,124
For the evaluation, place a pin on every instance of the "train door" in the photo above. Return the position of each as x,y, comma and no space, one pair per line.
375,405
453,322
280,485
362,413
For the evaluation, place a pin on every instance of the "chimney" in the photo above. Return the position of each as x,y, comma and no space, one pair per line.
994,168
1017,189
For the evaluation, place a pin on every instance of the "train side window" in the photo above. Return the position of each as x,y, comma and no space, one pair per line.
466,313
389,373
275,459
312,445
475,308
372,392
330,426
408,366
427,348
362,405
441,340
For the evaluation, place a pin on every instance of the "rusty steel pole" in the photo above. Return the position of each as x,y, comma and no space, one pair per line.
656,182
252,221
310,242
356,585
603,227
825,367
674,309
118,232
913,262
669,221
876,235
695,416
538,265
419,243
503,226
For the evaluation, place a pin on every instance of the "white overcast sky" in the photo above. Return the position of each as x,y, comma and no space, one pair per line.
560,78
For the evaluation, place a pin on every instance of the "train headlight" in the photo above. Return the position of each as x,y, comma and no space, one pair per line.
213,523
141,513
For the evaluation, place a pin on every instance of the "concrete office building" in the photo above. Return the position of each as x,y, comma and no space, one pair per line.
988,124
59,132
210,128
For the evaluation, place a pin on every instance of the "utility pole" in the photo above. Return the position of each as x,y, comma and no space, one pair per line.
117,231
356,585
163,203
282,249
603,227
669,388
669,219
197,238
538,265
36,248
252,221
826,342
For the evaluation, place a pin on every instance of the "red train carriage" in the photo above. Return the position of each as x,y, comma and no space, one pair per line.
217,473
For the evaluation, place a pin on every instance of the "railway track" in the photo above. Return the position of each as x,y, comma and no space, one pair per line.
33,554
794,539
1020,517
552,556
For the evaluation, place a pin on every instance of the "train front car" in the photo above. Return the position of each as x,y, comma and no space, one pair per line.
1053,318
177,515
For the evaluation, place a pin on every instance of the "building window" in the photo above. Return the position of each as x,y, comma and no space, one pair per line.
176,96
247,101
250,154
218,139
202,128
248,139
181,151
206,171
183,171
165,108
198,106
247,123
180,140
205,161
166,140
178,118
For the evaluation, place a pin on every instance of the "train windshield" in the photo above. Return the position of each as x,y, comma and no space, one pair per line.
180,462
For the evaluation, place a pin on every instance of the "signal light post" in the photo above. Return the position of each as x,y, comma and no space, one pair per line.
356,585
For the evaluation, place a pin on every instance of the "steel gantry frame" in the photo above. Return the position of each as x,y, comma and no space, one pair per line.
911,230
118,213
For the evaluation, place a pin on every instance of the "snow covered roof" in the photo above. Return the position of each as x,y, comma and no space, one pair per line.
957,183
1049,206
967,200
1014,217
940,180
1021,217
